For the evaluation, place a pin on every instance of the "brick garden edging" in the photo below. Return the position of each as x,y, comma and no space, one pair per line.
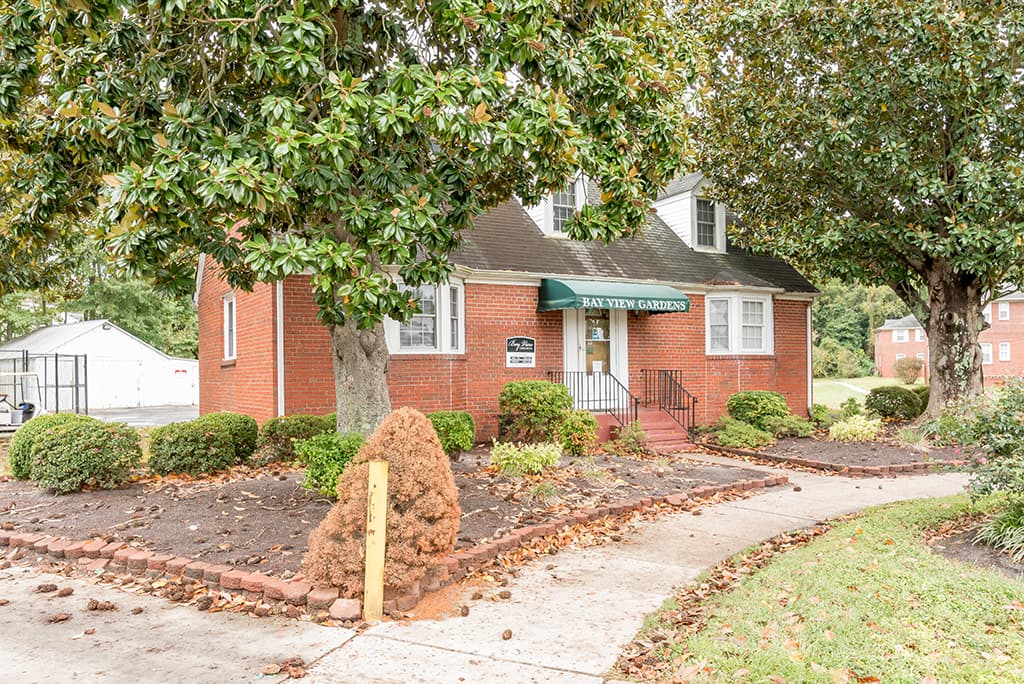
917,467
293,596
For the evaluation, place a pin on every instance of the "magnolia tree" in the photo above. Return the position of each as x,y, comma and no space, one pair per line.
352,140
876,141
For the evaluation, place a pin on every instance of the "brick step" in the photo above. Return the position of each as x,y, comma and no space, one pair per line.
670,447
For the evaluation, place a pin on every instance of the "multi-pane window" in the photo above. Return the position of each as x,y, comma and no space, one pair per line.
899,335
739,325
919,335
705,223
718,325
563,208
900,357
454,317
421,330
986,313
229,327
1004,351
1004,311
920,356
753,326
986,353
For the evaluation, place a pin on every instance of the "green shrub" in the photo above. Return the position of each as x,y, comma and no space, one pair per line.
788,426
521,459
821,415
753,406
630,440
923,393
77,454
21,443
190,448
531,410
893,402
855,429
243,430
849,408
277,438
739,435
1006,530
910,436
455,429
578,432
325,457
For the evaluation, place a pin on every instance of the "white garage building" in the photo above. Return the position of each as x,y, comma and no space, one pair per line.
118,369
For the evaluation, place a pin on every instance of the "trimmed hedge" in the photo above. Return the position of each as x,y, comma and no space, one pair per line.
190,448
243,430
77,454
277,438
326,456
754,406
455,429
25,437
894,402
923,393
532,410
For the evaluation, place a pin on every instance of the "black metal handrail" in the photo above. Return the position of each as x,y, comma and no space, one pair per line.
664,389
599,393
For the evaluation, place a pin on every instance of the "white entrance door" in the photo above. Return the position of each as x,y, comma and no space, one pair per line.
596,356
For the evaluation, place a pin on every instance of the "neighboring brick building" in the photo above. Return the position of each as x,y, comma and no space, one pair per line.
1002,343
626,324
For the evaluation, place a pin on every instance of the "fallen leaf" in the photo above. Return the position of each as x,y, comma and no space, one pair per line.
58,617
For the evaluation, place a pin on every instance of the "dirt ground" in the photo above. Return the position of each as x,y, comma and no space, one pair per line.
862,453
263,522
961,547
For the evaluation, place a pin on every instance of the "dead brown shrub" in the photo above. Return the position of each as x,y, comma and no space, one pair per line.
423,509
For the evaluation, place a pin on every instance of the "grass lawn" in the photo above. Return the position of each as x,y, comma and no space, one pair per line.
831,391
866,602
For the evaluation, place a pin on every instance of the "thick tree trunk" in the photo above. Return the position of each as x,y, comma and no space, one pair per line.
360,380
953,326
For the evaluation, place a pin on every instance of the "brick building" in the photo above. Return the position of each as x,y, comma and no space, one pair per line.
641,327
1002,343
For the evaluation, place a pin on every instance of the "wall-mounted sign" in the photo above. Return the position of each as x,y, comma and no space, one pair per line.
520,352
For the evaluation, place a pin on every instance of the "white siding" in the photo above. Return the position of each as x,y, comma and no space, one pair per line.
676,212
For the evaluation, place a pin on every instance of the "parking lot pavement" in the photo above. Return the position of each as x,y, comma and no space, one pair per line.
147,416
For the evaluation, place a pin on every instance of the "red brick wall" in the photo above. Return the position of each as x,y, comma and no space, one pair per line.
246,384
1011,331
471,381
677,342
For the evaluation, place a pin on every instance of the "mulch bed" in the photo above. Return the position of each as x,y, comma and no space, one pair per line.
880,458
955,539
260,521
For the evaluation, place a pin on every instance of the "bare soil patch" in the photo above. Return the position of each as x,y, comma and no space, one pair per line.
878,453
962,547
263,521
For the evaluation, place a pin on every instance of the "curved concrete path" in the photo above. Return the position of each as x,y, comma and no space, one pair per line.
570,614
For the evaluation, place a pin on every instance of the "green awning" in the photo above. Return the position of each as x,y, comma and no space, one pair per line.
598,294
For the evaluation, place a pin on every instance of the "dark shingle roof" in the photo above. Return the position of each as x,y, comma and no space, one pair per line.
906,323
507,239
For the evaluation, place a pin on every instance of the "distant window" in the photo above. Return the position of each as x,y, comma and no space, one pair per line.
706,228
563,208
900,357
986,353
920,356
229,327
919,335
1004,311
1004,351
986,313
899,335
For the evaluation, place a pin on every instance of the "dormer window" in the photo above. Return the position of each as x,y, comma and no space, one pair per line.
706,227
556,211
563,208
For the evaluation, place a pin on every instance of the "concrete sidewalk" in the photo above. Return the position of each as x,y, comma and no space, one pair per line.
570,614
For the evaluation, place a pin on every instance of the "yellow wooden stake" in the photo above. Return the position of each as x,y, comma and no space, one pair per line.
376,538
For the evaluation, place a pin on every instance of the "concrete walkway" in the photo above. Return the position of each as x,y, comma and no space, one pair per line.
570,614
858,390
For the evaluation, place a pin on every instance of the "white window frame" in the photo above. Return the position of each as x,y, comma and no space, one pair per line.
443,342
986,313
580,190
735,302
986,353
1004,351
1004,311
920,356
719,209
900,336
230,326
900,356
919,335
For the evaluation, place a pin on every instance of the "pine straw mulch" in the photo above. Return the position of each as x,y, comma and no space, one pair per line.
644,658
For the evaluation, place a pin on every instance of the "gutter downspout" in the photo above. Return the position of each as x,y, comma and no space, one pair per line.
279,340
810,361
